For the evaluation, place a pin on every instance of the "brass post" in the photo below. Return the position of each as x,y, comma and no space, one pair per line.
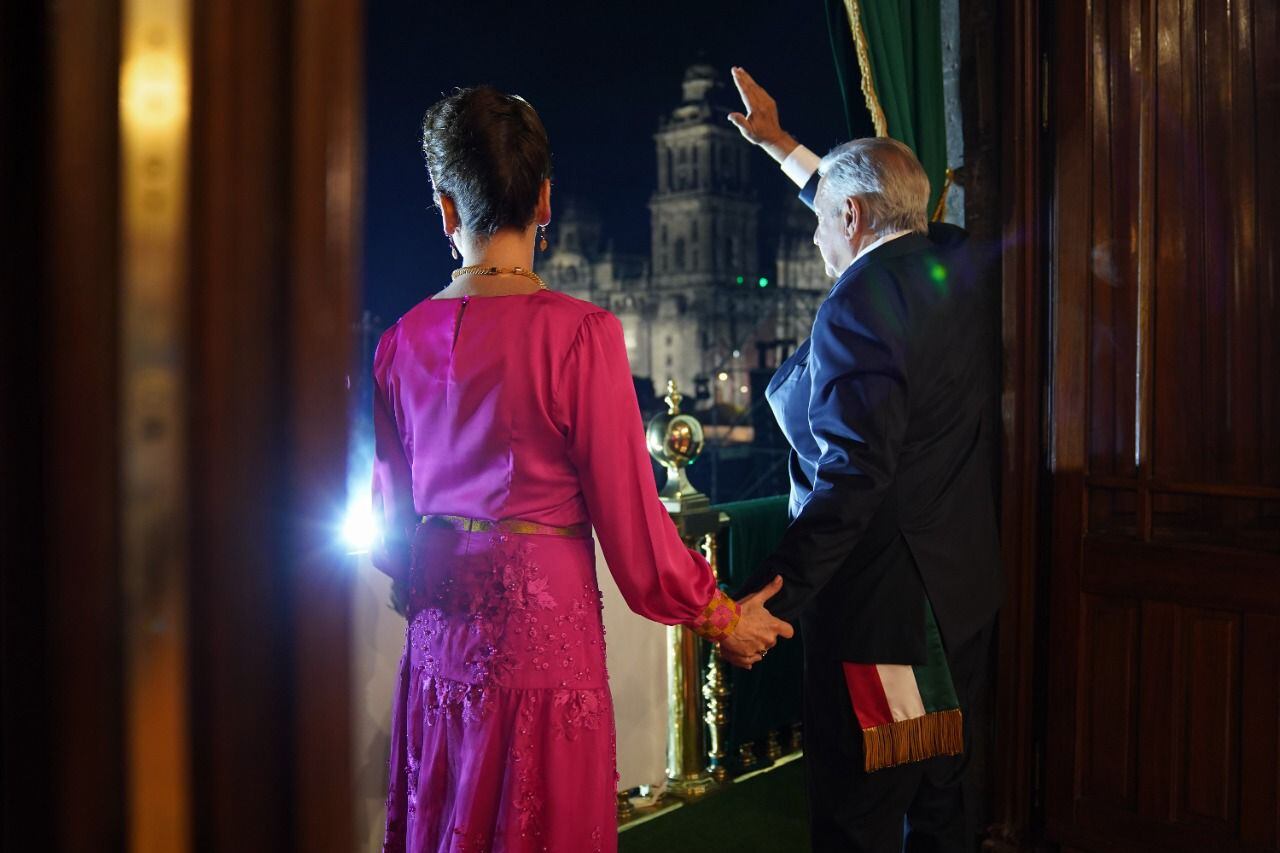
716,690
687,776
675,439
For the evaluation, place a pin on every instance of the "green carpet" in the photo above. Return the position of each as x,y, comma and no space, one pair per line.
766,813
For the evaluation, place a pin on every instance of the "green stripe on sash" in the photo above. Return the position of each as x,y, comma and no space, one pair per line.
937,690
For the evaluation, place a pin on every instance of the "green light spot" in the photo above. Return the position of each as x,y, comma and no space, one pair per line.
764,282
938,273
741,279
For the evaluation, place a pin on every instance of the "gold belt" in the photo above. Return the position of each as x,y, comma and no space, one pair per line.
508,525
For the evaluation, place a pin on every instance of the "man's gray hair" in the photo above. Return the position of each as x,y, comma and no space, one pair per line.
886,176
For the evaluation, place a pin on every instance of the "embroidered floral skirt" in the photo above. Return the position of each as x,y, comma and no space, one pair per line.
502,732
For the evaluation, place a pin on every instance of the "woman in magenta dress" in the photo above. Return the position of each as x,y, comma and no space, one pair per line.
506,429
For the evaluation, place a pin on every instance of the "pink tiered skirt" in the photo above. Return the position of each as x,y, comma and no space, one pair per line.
502,733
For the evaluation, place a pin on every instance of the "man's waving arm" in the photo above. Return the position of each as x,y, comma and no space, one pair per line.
760,125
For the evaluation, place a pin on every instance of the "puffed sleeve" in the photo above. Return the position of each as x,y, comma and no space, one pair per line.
597,409
392,479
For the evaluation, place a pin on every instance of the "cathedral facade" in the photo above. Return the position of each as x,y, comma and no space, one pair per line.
705,308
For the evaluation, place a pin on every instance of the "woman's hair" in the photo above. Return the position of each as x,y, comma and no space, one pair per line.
488,151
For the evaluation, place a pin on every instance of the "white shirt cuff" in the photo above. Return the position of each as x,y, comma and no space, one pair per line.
800,165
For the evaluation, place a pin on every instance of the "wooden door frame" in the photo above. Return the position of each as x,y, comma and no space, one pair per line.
277,142
1016,751
64,686
63,681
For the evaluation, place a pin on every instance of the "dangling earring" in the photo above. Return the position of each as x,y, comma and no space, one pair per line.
453,250
542,241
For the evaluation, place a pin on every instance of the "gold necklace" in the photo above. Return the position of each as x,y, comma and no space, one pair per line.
478,269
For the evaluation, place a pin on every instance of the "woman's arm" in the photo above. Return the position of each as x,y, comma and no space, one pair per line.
596,406
392,477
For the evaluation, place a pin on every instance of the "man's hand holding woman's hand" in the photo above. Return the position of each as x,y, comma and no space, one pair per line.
759,125
757,631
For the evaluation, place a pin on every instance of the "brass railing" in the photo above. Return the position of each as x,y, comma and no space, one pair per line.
699,686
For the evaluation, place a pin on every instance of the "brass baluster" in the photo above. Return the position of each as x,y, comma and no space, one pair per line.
626,810
772,746
675,440
796,738
716,690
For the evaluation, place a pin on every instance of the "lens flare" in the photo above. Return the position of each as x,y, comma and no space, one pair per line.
938,273
360,527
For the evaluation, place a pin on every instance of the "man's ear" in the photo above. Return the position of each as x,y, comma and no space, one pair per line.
853,216
448,213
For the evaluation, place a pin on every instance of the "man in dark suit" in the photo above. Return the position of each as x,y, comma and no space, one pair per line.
888,408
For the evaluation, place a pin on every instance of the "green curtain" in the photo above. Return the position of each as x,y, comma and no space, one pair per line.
857,118
755,529
903,46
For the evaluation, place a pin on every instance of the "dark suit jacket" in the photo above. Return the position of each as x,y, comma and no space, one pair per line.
889,409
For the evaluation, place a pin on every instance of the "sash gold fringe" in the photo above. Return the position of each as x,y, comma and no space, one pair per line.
864,65
905,741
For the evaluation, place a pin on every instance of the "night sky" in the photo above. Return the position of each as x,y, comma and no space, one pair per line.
600,75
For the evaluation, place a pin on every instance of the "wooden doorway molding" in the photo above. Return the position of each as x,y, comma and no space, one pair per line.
267,250
1015,770
276,190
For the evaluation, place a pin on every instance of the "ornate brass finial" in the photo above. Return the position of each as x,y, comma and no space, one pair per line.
673,398
676,440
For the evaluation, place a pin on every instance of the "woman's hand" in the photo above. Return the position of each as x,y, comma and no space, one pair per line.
757,630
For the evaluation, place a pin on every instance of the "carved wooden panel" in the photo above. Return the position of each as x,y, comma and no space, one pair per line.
1112,260
1109,714
1216,358
1207,778
1181,297
1164,645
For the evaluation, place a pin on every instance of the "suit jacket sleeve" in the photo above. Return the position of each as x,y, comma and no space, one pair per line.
858,414
810,190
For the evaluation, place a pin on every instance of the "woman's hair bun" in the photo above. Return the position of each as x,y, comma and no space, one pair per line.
488,151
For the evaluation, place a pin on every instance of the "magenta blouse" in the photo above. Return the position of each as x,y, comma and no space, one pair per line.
523,407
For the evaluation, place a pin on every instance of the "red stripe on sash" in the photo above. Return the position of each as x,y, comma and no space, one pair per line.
867,695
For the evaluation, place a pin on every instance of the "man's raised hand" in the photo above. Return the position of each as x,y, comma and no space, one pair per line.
759,124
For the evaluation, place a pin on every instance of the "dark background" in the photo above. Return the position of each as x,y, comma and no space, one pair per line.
600,75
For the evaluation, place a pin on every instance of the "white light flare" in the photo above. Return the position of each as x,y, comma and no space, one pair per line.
360,527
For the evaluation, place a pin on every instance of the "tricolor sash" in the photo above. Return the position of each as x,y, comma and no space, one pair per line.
906,713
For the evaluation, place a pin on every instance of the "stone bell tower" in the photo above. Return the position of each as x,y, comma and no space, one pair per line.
704,239
704,211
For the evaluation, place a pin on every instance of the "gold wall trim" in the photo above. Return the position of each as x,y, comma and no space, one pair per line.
864,65
155,108
940,209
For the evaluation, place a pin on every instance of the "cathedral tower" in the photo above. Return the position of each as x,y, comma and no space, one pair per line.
704,212
704,245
